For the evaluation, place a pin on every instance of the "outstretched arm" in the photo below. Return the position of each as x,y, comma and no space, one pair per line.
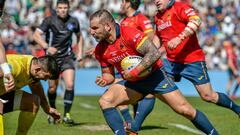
37,89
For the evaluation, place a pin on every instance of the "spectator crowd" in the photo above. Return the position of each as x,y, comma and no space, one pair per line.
220,21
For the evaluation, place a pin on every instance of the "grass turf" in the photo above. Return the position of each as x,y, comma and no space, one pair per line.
89,120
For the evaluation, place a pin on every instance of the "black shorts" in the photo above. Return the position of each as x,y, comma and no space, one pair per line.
67,62
8,107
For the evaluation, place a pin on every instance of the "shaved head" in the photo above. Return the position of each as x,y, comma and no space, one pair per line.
103,15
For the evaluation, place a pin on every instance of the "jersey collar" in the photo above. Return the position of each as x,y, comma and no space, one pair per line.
117,27
136,13
170,4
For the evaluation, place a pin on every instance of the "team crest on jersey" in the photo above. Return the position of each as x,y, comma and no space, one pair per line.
70,26
169,16
121,46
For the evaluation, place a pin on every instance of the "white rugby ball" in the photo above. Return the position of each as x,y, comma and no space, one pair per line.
130,62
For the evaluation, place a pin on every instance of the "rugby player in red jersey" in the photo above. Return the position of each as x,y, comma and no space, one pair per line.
176,25
134,18
117,42
232,67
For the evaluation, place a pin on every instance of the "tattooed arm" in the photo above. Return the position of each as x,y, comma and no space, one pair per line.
151,55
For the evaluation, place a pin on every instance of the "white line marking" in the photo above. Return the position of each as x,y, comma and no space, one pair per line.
100,127
87,106
184,127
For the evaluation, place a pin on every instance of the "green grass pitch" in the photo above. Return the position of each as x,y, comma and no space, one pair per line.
162,121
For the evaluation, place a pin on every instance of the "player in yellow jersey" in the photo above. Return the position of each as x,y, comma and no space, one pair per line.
28,70
6,70
8,80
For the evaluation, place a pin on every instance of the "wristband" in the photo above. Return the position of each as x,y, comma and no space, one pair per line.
5,68
134,72
182,36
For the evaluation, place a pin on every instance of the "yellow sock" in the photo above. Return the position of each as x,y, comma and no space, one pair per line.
1,125
28,118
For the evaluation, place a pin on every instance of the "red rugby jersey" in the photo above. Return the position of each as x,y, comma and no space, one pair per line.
126,44
138,21
231,55
169,25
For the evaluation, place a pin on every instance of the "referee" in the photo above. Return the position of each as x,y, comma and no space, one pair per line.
58,30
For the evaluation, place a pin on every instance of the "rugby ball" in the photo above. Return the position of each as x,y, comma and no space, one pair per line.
130,62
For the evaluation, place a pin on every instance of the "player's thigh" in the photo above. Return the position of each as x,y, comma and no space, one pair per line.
20,100
29,102
196,72
122,107
176,101
119,95
68,76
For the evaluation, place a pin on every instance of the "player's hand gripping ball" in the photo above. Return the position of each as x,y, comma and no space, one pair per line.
130,62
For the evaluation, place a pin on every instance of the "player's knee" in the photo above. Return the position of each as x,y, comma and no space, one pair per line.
52,89
186,110
105,103
69,86
209,97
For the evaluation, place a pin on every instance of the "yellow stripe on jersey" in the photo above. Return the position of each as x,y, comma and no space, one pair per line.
142,41
147,31
194,17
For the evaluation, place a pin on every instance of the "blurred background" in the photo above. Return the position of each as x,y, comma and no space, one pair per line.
220,21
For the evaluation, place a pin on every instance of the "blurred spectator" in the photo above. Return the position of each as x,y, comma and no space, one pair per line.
220,18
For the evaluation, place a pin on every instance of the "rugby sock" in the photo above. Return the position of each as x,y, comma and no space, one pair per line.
1,7
126,115
25,121
135,107
68,100
145,106
52,98
1,125
114,120
225,101
202,123
235,90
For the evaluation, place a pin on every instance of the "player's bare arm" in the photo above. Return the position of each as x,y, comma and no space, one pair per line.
5,70
37,89
107,77
151,55
192,26
80,46
37,36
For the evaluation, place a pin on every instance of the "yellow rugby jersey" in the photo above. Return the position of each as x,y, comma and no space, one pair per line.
20,69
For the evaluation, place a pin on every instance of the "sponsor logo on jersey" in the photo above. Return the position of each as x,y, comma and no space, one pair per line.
70,26
164,25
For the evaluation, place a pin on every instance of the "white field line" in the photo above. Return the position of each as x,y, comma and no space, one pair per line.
88,106
101,127
186,128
